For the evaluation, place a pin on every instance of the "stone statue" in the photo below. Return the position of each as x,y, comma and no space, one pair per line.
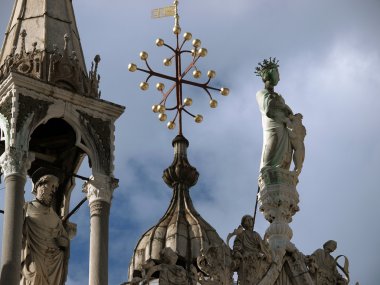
215,265
323,267
251,256
283,132
169,272
45,239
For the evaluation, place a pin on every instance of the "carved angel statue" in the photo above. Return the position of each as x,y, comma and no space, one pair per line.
251,256
323,266
45,239
283,132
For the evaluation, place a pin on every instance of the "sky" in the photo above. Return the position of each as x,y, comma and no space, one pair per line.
329,54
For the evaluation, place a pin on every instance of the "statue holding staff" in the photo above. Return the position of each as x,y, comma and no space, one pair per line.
45,239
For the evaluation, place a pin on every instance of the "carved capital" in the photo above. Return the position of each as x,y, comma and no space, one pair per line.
100,188
15,161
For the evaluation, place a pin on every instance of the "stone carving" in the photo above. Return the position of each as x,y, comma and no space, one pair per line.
27,106
169,272
28,63
61,69
45,239
251,255
215,264
323,266
15,161
100,132
100,188
283,131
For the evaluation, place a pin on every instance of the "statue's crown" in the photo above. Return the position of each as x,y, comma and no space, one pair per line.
266,65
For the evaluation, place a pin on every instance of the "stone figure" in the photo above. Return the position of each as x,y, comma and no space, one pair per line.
45,239
215,265
323,267
283,132
251,256
169,272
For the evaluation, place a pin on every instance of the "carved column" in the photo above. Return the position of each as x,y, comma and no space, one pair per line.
14,164
279,202
99,193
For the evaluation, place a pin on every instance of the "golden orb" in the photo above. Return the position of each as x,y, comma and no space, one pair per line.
144,86
155,108
161,109
160,42
211,73
188,101
224,91
160,86
202,52
132,67
213,103
193,52
167,62
198,118
143,55
197,73
187,36
171,125
197,43
162,117
176,30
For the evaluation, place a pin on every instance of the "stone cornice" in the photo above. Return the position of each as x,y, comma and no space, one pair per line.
108,109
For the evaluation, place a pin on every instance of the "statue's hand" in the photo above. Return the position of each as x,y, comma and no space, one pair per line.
62,242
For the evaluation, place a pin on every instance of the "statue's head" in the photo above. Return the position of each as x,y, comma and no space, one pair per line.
268,71
330,245
45,184
247,222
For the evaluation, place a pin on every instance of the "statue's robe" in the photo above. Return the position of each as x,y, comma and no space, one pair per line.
277,151
327,273
254,264
43,261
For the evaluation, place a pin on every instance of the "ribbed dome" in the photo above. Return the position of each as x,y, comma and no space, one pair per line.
181,228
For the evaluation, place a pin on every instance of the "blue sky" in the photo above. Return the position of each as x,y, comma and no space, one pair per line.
329,54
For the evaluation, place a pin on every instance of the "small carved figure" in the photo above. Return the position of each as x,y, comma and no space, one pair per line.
45,239
283,132
215,264
297,133
323,267
251,256
169,272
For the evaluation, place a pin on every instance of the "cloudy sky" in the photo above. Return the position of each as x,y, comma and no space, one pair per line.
329,55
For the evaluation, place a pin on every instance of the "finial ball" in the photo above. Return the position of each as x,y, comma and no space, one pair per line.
224,91
188,101
144,86
132,67
198,118
197,73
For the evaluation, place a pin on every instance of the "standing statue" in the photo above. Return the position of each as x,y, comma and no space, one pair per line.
251,256
323,267
283,132
45,239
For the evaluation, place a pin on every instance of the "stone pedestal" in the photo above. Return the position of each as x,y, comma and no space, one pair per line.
279,202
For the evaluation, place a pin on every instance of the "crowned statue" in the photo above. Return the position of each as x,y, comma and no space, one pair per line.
283,132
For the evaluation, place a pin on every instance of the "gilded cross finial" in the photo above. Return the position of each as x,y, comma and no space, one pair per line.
182,103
